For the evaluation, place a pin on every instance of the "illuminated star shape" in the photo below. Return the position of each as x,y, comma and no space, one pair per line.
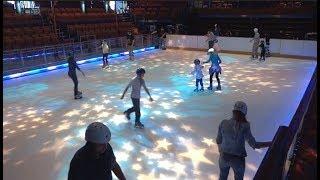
165,105
136,167
103,114
207,141
150,176
56,147
127,146
122,156
172,115
151,155
177,101
98,108
85,106
166,128
264,83
163,144
30,112
72,113
118,119
7,151
186,128
165,164
196,155
106,101
64,126
179,169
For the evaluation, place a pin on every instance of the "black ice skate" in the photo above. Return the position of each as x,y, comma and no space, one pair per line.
201,89
196,90
78,96
219,87
210,88
139,125
127,115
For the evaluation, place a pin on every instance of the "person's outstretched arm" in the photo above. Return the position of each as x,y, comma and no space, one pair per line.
252,141
118,172
125,90
146,89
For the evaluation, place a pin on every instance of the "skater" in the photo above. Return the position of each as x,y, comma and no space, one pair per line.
73,75
255,46
263,51
130,44
163,39
231,138
267,45
211,39
198,73
95,160
136,84
105,52
215,67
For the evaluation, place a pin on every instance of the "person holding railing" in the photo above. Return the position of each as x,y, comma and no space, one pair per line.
231,138
130,44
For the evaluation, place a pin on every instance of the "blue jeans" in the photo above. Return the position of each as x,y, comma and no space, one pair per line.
199,81
236,163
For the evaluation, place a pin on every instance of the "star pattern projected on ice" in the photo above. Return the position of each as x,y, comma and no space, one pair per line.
163,144
178,139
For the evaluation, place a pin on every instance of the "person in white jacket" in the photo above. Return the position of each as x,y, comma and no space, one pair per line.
197,72
105,52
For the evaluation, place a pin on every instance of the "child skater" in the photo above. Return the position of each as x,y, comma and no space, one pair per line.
105,52
198,73
73,75
215,67
263,51
136,84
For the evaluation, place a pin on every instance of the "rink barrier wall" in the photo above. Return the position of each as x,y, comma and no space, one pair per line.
241,45
65,65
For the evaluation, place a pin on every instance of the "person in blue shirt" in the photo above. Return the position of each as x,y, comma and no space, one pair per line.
197,72
215,67
73,75
231,138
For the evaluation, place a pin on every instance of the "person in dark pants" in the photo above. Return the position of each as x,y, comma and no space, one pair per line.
197,71
105,52
215,67
263,51
231,138
136,84
130,44
163,39
95,160
211,39
267,45
73,75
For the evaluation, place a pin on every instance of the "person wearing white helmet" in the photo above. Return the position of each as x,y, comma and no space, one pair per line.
231,138
136,84
255,46
95,160
215,67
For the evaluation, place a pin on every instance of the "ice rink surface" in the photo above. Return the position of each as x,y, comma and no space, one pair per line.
44,126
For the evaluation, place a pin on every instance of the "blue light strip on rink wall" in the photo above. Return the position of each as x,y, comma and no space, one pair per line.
60,66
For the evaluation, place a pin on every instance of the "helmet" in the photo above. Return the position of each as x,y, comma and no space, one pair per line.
255,29
196,61
140,71
240,106
98,133
211,50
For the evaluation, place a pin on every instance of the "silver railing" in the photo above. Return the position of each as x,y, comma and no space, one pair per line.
15,61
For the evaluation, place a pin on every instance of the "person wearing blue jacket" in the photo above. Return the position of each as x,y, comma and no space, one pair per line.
215,67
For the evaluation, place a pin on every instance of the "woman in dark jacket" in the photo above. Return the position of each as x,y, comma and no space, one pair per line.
73,75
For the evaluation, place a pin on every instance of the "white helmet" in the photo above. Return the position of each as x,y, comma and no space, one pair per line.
211,50
255,29
240,106
98,133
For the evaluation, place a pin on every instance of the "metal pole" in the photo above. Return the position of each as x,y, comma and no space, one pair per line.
21,57
45,55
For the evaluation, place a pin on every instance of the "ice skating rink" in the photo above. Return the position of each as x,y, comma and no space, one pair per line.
44,126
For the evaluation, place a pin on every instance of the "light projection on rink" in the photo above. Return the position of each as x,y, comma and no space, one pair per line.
44,126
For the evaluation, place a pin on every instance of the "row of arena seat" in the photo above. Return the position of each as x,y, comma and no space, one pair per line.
21,42
27,31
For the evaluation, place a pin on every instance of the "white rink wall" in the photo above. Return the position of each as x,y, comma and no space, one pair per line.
241,44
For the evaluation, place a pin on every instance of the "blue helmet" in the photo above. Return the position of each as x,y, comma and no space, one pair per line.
140,71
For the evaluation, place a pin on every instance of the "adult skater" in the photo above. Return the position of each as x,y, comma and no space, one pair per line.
163,39
130,44
231,138
95,160
211,39
255,46
136,84
105,53
267,36
214,68
73,75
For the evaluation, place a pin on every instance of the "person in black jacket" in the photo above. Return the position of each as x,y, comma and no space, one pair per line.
263,51
73,75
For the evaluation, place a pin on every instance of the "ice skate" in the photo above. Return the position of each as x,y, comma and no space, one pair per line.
139,125
195,90
201,89
209,88
78,96
219,87
127,115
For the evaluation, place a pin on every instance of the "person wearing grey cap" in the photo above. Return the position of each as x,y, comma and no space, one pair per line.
231,138
95,160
